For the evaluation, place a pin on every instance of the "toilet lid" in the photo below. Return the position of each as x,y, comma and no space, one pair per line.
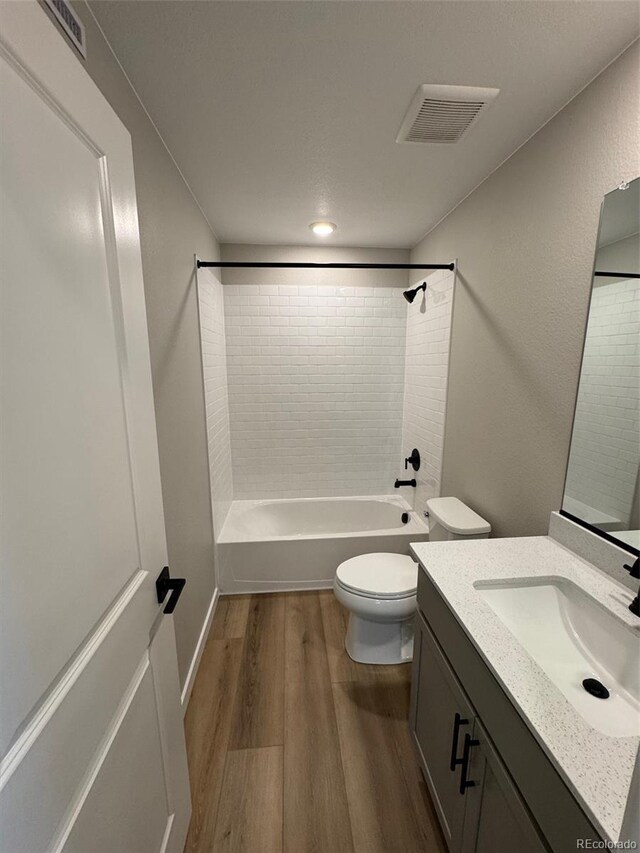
379,575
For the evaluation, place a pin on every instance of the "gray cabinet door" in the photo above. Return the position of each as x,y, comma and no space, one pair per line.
496,819
440,717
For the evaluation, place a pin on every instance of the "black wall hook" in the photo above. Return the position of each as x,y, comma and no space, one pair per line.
165,584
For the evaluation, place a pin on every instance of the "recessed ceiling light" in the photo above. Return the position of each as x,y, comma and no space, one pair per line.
323,229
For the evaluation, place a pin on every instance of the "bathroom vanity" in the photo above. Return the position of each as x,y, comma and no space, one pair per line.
510,753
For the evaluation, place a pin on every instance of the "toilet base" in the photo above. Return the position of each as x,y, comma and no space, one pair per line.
379,642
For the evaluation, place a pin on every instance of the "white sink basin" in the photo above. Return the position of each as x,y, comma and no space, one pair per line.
573,637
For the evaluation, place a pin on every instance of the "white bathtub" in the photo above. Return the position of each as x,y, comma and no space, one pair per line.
298,544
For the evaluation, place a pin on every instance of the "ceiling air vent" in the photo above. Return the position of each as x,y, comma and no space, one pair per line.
444,113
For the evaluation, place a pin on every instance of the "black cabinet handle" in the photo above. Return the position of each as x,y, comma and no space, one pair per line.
466,753
166,584
457,722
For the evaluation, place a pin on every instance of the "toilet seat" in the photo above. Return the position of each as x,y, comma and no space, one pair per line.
383,576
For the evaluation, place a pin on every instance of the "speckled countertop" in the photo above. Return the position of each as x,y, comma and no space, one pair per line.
596,767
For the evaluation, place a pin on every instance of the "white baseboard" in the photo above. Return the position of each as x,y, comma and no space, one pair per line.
233,587
197,655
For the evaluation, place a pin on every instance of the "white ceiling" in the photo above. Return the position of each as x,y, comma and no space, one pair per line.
280,113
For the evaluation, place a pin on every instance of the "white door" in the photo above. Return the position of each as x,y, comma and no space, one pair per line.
91,737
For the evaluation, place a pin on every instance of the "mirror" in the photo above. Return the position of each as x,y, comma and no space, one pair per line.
601,486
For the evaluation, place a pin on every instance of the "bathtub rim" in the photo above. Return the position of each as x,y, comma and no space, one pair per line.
416,525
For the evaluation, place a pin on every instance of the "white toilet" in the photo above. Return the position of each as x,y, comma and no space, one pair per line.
379,590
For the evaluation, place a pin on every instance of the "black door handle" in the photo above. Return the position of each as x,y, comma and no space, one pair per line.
466,752
457,722
164,584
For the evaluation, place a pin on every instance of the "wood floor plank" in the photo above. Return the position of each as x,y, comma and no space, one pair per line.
316,816
250,811
230,619
385,800
334,620
258,715
208,726
390,703
341,775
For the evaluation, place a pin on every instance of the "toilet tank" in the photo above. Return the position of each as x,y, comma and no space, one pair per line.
450,519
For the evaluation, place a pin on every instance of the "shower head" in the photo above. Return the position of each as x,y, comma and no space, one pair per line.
410,295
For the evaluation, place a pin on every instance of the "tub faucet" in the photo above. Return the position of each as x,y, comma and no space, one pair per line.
634,572
399,483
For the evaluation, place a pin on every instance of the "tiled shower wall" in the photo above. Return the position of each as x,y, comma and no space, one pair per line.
603,466
315,378
425,381
214,368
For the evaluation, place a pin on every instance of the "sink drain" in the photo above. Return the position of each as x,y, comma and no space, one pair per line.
595,688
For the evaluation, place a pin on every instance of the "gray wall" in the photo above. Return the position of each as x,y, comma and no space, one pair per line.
525,242
172,228
320,254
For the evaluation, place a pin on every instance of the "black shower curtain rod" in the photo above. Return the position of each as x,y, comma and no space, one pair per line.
306,266
617,274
